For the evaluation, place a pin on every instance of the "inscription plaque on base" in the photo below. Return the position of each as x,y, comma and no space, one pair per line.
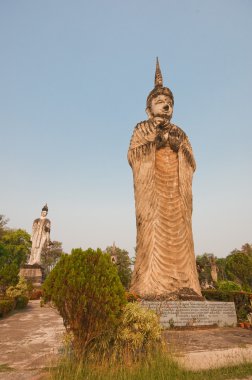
193,313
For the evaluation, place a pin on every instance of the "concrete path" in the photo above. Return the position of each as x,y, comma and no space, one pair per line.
29,341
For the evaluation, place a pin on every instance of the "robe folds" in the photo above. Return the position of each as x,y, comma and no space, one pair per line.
40,239
165,259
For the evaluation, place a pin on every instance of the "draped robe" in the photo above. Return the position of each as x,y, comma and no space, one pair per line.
165,259
40,239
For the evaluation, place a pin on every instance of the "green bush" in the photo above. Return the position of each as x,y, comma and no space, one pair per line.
21,289
21,302
86,290
14,250
139,333
136,337
228,286
19,293
6,305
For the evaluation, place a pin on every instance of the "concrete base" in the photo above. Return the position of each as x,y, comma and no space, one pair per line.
193,313
32,273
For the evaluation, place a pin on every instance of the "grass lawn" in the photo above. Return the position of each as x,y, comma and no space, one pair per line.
161,368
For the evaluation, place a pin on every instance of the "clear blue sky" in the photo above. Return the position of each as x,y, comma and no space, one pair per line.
74,77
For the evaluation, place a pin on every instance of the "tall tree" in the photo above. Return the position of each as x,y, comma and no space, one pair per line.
123,264
51,255
8,270
14,251
204,267
247,248
221,264
3,223
239,269
17,243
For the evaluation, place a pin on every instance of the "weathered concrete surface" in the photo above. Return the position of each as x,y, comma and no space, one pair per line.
210,348
162,162
29,339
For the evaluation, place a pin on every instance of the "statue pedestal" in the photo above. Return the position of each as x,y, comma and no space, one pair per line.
193,313
32,273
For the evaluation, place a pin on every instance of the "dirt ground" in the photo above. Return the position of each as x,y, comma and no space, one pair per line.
213,347
31,339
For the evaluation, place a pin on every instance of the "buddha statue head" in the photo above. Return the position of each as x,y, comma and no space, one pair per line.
44,211
160,100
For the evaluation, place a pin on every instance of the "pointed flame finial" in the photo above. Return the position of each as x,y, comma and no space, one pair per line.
158,76
45,208
158,89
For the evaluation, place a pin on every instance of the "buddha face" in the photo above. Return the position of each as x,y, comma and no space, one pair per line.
161,106
43,213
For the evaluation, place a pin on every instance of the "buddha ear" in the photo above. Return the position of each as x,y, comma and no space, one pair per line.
148,111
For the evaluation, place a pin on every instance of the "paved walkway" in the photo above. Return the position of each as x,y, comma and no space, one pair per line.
30,339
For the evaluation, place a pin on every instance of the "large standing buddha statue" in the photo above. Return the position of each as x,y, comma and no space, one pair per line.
162,162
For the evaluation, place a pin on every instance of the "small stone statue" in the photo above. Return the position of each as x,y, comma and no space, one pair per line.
214,269
162,162
40,237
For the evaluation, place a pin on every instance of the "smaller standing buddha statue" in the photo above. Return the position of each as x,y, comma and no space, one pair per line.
40,236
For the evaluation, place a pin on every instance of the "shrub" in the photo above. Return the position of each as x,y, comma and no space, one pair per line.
139,332
36,294
137,336
21,302
19,293
21,289
6,306
228,286
86,290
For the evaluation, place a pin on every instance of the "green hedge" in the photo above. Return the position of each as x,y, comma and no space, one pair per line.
241,299
6,306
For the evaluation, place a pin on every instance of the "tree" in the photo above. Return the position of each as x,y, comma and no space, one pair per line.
221,264
247,249
17,244
51,255
3,222
14,251
8,270
123,264
87,291
204,267
239,268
